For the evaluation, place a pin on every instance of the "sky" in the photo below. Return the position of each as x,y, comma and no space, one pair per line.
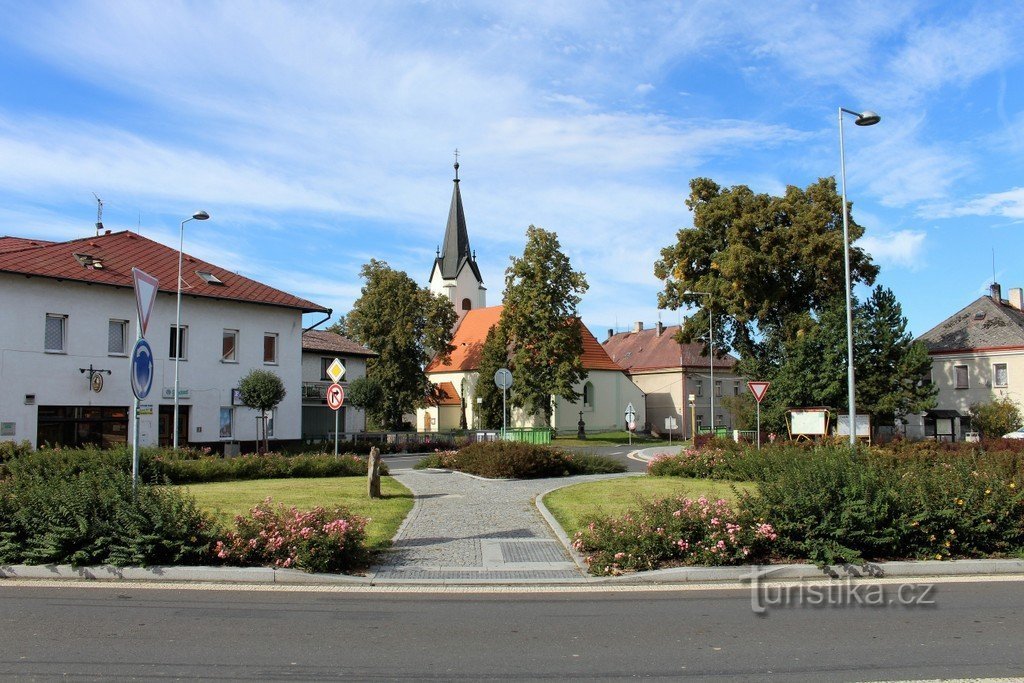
319,135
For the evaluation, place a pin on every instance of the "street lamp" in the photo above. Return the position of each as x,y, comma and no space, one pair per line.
711,353
197,216
867,118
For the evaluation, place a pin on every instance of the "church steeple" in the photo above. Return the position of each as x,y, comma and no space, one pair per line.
455,272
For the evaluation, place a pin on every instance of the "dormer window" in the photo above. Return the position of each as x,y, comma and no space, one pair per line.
209,277
89,261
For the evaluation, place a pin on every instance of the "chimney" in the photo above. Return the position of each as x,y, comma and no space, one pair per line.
1017,298
661,328
611,333
638,326
996,293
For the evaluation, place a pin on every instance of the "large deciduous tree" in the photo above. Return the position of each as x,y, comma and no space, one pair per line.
542,293
406,325
493,356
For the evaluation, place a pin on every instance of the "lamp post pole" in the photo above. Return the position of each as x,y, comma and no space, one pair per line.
197,216
867,118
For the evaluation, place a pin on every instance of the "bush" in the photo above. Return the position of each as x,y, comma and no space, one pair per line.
81,516
12,449
997,417
675,532
516,460
320,540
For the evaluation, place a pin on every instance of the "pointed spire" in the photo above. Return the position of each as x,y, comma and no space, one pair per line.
455,252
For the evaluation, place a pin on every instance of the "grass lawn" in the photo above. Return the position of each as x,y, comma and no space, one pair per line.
610,438
574,504
230,498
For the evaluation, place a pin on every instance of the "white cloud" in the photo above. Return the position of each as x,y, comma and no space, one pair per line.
903,248
1009,204
644,88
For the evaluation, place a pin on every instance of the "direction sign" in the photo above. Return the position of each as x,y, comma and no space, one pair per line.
503,378
630,413
758,389
336,370
142,369
145,295
335,396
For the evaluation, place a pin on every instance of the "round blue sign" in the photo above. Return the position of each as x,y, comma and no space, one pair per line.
142,369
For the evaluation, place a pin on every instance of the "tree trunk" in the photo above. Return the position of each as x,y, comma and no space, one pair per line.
373,473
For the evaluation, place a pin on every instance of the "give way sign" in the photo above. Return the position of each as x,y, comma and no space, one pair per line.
758,389
145,294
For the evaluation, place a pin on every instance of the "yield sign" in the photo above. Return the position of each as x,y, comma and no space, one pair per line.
758,389
145,295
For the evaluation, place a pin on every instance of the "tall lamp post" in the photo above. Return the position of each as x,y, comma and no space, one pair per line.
867,118
197,216
711,353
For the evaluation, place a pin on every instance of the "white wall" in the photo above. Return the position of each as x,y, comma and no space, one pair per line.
465,286
55,379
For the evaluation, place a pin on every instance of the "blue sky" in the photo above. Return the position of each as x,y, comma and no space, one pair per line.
320,135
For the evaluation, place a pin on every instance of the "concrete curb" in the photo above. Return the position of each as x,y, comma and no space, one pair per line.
252,575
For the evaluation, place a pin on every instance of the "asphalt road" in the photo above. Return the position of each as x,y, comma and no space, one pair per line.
973,630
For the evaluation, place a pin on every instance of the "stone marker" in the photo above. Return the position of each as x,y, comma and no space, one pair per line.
373,472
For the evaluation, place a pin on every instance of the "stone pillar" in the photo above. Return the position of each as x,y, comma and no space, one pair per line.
373,473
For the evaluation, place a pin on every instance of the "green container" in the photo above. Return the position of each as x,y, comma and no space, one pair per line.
535,435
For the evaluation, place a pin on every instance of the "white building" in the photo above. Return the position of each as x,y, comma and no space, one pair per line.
455,273
68,325
319,349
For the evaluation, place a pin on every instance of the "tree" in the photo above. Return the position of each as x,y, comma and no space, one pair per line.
997,417
363,393
339,326
540,317
493,355
406,325
767,262
262,390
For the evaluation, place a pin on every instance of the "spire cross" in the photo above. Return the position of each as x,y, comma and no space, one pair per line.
456,163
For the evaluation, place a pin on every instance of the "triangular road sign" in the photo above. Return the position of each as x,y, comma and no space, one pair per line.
145,295
758,389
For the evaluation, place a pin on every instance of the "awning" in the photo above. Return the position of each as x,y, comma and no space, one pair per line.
943,414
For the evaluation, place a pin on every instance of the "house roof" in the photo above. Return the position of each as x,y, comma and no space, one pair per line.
108,260
444,394
456,254
471,333
322,341
8,243
647,350
981,324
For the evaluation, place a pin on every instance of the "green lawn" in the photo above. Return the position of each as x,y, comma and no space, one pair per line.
610,438
573,505
227,499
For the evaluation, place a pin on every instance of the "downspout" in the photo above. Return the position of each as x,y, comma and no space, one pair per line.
330,311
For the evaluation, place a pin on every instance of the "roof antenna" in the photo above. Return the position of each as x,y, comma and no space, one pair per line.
993,265
99,213
456,164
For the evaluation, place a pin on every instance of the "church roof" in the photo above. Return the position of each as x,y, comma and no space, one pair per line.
455,254
472,332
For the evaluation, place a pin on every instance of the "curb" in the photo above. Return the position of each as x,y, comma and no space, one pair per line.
248,575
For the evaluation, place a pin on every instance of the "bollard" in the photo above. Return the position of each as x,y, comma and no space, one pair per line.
373,472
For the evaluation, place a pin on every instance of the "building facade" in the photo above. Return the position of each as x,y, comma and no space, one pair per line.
68,323
319,349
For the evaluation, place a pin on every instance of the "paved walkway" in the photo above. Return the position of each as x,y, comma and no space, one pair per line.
466,529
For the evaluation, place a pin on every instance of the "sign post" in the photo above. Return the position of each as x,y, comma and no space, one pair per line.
758,389
670,424
503,380
335,398
630,415
141,368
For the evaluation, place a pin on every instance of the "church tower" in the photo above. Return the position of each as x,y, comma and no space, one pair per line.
455,273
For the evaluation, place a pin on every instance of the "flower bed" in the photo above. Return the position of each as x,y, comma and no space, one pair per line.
515,460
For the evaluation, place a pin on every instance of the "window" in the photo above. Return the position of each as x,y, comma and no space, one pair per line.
209,277
270,348
117,337
56,333
178,340
999,375
227,419
718,387
699,386
270,422
588,395
735,388
229,347
326,363
960,376
700,420
466,304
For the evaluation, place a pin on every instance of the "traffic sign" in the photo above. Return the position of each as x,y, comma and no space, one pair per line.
503,378
336,370
632,425
630,412
145,295
758,389
142,369
335,396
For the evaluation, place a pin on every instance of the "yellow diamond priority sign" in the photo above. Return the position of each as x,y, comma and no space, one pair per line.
336,370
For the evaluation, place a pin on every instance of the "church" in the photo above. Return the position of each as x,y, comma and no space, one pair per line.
604,392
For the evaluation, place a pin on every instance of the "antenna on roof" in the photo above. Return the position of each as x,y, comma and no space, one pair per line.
993,264
99,213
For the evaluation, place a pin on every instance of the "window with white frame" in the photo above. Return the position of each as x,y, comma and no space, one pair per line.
229,346
718,387
270,348
178,341
1000,378
699,386
735,388
55,339
960,377
227,422
117,337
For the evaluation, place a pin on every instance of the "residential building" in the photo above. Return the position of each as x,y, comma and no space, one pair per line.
319,349
68,325
669,372
977,356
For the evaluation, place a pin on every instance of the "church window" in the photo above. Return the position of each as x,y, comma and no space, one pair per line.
588,395
466,305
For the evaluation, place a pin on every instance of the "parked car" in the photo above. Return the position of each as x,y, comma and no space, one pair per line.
1016,434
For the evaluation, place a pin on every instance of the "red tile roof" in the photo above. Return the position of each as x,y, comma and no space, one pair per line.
647,350
322,341
8,243
119,252
444,394
472,331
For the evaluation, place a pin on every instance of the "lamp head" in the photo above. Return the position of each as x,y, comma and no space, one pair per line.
201,216
867,118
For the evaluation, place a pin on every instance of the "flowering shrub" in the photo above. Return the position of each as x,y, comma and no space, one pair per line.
672,532
703,463
515,460
317,540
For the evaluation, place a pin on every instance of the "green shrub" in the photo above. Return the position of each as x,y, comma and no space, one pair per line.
516,460
12,449
318,540
675,532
